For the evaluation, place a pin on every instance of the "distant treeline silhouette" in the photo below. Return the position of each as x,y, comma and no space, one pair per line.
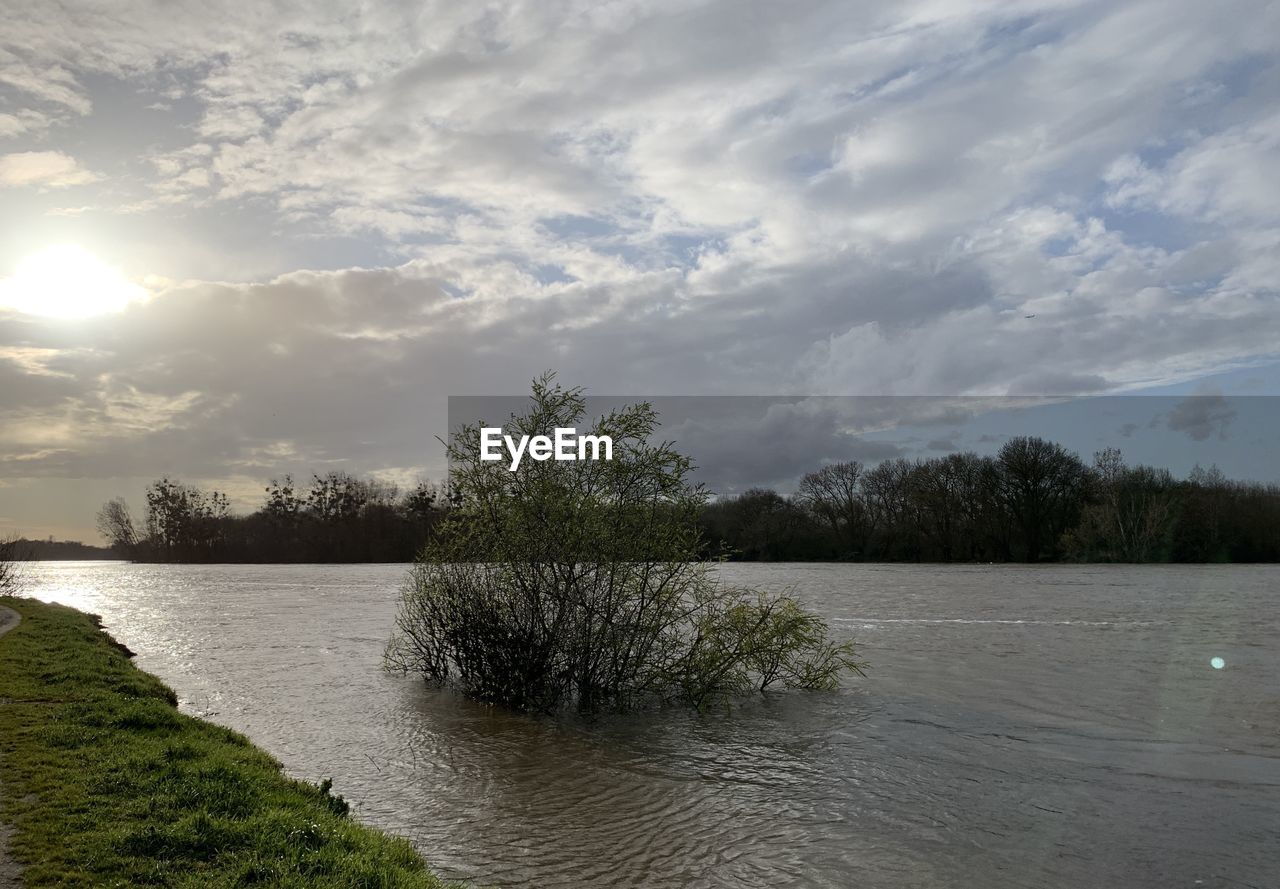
50,550
337,518
1034,501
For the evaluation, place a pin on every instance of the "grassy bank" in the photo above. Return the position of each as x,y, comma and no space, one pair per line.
107,784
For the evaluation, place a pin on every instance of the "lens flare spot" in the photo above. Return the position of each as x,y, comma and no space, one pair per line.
1217,663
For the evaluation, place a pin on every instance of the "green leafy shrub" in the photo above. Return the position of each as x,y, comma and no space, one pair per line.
577,585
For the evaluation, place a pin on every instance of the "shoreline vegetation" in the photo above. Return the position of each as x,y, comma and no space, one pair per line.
556,588
1033,501
105,783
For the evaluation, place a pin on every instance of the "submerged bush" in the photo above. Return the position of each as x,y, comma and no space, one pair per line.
576,585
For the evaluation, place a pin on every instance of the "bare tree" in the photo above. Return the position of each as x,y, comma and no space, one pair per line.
832,495
9,559
885,492
1041,484
1134,510
944,497
115,524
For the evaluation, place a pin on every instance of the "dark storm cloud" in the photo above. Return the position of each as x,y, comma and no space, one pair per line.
754,442
1200,416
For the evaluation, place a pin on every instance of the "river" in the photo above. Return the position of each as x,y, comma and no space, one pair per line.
1021,726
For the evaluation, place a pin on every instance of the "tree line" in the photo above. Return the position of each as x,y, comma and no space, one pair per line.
337,517
50,550
1033,501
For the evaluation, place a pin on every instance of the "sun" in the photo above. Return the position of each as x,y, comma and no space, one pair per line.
68,282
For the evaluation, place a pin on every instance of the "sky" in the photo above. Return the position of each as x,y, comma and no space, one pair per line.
247,239
739,442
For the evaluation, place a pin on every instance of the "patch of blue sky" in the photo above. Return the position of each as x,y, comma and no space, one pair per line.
666,251
607,239
1019,35
1150,228
1140,226
1063,246
1017,32
809,164
578,228
1238,77
687,248
1156,153
547,273
877,85
1258,377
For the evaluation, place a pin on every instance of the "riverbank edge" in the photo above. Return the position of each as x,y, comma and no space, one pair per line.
103,782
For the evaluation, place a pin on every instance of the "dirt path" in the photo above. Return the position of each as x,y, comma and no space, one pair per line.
10,871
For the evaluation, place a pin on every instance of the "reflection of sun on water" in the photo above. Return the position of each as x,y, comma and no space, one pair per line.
67,281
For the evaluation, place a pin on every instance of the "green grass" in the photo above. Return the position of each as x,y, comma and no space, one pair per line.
107,784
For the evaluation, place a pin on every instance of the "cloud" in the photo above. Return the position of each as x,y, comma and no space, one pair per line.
946,445
47,168
1200,416
648,196
25,121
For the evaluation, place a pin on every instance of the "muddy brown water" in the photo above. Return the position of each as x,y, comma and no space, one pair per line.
1049,726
